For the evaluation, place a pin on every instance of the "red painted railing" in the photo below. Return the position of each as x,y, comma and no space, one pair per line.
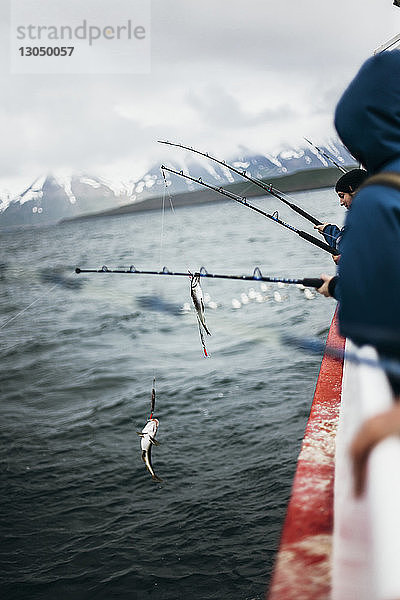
303,569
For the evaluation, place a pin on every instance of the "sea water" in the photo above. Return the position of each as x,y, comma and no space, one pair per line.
80,516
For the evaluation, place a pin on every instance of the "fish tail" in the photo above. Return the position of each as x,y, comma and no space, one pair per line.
202,339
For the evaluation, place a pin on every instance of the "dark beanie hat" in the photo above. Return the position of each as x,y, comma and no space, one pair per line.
351,181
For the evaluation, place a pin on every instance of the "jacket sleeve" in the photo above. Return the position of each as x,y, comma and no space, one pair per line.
331,234
333,287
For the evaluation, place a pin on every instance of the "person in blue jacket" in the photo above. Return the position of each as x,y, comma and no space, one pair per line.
368,286
346,187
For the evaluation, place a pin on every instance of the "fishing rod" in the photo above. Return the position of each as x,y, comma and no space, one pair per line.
274,217
266,187
256,276
327,156
316,346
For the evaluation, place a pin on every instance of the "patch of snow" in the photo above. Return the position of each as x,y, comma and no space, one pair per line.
332,148
240,165
320,157
92,182
30,195
323,160
4,201
274,160
228,174
116,187
33,192
288,154
211,170
65,182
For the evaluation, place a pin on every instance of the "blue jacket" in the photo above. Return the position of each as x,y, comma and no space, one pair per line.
368,121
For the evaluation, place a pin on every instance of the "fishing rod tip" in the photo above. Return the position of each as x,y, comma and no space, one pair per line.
77,270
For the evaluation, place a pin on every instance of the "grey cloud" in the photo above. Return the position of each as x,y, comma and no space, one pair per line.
217,107
275,34
68,129
204,54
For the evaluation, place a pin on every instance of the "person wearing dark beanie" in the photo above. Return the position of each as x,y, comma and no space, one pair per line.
351,181
367,120
346,188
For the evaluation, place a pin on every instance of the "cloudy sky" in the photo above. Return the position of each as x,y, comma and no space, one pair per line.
225,75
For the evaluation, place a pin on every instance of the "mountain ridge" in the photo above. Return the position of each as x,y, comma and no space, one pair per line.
306,179
51,198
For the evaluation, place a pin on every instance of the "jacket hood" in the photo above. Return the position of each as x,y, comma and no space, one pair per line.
367,116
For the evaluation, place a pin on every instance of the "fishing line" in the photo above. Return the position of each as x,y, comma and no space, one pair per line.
153,398
316,346
162,227
289,197
157,293
27,308
330,235
266,187
274,216
166,190
41,297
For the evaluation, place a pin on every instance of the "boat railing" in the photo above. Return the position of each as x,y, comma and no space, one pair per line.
366,537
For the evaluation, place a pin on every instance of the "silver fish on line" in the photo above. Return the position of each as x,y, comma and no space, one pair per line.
198,302
148,440
148,436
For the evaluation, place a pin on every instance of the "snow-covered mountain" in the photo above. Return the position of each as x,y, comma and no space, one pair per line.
257,166
53,197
